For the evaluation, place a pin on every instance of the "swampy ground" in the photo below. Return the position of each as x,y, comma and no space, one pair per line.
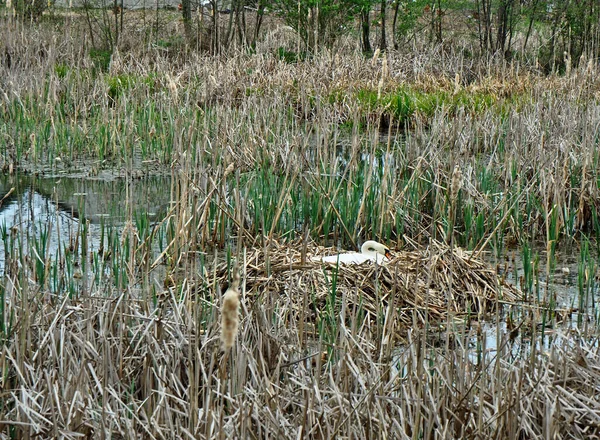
132,184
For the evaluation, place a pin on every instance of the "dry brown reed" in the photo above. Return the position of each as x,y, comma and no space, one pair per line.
317,352
110,367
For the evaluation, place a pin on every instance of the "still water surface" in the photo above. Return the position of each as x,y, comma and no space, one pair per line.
60,207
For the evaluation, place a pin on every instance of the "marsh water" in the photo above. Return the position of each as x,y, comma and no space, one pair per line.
56,209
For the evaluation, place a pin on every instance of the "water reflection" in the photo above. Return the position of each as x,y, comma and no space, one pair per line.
52,212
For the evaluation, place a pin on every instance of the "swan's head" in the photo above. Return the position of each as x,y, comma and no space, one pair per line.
373,248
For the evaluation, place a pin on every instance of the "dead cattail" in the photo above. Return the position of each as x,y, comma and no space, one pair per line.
172,86
568,64
456,183
384,74
456,83
228,170
229,311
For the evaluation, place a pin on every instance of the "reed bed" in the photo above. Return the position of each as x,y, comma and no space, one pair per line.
109,364
269,162
383,133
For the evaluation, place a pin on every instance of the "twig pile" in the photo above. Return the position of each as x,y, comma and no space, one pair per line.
433,282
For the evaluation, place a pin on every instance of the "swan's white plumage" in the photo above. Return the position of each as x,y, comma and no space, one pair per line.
370,251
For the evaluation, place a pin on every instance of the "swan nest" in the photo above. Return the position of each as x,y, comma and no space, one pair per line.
419,285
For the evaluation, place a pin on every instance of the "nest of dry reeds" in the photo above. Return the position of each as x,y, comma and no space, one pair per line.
432,283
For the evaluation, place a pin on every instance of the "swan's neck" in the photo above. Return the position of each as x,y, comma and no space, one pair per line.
369,248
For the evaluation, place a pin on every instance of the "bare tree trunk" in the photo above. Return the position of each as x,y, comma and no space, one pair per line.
505,20
86,7
394,21
236,17
260,13
557,22
215,31
186,10
366,30
590,39
106,29
241,24
480,31
383,42
485,25
230,30
436,21
432,31
156,21
440,16
531,19
594,49
116,13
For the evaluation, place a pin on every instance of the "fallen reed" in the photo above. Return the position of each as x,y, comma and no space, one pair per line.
110,363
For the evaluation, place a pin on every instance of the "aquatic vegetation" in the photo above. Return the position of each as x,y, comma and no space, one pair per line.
270,154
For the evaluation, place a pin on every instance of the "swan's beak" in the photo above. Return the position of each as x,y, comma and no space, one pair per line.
388,254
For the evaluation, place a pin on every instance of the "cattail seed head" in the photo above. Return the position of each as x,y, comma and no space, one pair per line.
456,182
229,311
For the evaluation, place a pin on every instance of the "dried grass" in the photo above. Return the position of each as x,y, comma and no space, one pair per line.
109,367
320,352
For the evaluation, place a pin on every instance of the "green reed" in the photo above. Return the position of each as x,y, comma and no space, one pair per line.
528,268
586,281
39,247
327,323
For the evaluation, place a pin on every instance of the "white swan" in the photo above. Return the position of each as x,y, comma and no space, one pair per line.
369,251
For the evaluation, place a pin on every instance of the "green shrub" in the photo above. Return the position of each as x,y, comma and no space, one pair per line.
101,59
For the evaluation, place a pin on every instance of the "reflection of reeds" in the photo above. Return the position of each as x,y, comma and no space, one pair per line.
229,311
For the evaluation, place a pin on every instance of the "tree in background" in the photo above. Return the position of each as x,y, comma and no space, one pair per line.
228,21
365,25
553,33
30,9
406,18
576,31
496,21
383,39
186,12
318,21
238,30
571,30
